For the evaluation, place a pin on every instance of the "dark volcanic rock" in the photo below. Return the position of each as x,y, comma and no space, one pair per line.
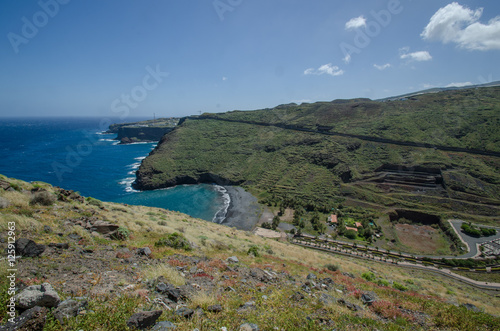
368,298
170,291
59,245
146,251
104,227
471,307
68,308
30,320
184,312
28,248
143,319
349,305
311,277
214,308
37,295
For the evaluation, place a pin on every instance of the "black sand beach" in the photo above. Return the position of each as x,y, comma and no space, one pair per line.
244,211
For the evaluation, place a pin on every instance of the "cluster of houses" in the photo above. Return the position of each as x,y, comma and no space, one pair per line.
333,221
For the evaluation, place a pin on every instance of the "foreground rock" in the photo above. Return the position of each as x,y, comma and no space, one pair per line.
31,320
143,319
69,308
28,248
37,295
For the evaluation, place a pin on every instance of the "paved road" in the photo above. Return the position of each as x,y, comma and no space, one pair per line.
445,272
472,242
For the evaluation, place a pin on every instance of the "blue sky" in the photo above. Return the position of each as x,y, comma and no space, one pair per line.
175,58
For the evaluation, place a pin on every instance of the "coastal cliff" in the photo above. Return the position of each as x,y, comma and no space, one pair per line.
150,130
130,134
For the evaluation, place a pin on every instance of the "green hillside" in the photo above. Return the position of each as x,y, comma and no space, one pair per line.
436,152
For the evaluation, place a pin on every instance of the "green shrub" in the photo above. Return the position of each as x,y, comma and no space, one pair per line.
254,249
43,198
488,232
332,267
400,287
174,240
94,202
382,282
350,234
369,276
121,233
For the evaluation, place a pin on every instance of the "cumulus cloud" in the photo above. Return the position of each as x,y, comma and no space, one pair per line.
328,69
458,24
382,67
415,56
355,23
224,78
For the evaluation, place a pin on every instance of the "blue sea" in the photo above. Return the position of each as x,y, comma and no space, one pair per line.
75,154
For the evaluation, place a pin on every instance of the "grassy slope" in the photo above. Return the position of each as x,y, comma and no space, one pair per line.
431,295
312,167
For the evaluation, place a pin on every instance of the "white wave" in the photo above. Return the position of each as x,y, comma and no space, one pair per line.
220,215
131,172
140,158
135,165
139,143
116,143
127,182
111,140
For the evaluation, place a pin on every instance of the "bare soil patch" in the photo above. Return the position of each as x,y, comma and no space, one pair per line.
420,238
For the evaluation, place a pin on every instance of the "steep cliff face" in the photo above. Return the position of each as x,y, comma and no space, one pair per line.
129,134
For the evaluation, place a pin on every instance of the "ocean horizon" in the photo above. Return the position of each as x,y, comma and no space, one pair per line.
75,154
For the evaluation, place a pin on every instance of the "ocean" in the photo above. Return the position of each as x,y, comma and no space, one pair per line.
75,154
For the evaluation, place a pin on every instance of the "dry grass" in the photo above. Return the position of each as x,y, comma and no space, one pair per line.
17,199
170,274
22,223
221,242
203,299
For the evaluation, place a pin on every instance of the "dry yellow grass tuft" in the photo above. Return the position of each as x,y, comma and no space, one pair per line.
203,299
170,274
17,199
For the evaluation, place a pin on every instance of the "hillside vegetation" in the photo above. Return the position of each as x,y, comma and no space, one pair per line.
435,152
112,261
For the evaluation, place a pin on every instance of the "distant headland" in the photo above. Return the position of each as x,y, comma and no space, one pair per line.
143,131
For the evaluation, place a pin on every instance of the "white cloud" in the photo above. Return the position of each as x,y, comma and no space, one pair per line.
355,23
382,67
347,58
415,56
224,78
459,84
460,25
328,69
